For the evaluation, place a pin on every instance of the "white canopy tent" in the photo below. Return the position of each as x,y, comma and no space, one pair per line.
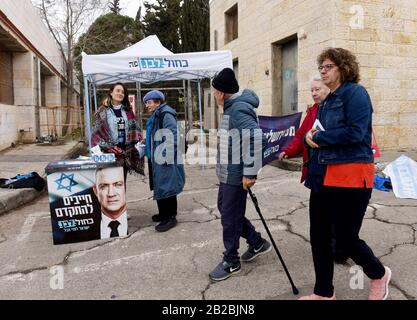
148,61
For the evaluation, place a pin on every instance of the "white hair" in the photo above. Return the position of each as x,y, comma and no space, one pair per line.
316,77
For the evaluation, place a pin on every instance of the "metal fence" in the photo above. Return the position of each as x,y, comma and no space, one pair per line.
61,121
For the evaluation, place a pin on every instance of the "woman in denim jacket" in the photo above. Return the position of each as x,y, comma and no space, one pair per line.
341,174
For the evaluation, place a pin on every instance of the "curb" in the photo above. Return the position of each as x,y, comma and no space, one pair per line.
77,150
19,197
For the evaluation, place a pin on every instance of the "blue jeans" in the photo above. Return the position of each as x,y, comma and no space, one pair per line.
231,203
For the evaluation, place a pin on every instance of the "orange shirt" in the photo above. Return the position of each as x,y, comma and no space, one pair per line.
350,175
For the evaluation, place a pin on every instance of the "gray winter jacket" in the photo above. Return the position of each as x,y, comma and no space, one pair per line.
239,151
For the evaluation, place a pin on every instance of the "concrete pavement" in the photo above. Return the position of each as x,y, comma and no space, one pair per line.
26,158
175,264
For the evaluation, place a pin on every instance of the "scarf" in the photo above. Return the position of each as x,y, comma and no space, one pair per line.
101,136
149,126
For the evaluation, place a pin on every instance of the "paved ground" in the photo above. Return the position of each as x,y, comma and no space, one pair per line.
175,264
25,158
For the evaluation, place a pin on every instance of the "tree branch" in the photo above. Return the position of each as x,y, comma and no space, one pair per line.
44,12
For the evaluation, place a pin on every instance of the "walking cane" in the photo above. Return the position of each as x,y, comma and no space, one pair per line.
255,202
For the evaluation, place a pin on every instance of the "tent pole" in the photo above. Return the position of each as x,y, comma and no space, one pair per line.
202,142
87,113
189,106
95,97
185,104
139,103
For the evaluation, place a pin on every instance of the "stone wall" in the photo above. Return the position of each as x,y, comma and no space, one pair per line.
263,23
383,36
8,125
34,106
25,17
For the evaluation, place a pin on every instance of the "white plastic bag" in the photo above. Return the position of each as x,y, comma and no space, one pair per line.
96,150
403,175
141,149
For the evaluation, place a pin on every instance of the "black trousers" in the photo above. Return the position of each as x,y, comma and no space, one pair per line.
167,207
231,203
344,210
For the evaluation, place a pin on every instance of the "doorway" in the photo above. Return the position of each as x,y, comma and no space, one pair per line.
285,79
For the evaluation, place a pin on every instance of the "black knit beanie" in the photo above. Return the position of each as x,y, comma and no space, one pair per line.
225,81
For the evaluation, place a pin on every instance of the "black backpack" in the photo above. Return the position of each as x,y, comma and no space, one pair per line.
29,180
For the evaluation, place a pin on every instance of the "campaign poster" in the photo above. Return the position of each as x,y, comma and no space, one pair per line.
278,132
87,200
132,101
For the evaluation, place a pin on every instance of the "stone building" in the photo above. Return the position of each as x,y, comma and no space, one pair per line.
33,88
275,44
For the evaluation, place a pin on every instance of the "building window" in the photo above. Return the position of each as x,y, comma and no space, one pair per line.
6,76
231,24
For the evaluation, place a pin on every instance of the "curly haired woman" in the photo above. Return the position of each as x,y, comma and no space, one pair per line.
341,174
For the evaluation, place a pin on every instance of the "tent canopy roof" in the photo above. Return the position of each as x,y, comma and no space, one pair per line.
148,61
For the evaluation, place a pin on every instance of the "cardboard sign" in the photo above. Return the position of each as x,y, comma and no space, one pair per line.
87,200
132,101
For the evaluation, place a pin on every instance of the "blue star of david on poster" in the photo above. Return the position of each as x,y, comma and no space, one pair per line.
69,185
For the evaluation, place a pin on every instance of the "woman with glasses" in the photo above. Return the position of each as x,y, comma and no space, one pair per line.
341,175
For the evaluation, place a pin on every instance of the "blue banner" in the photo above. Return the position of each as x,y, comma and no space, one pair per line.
278,131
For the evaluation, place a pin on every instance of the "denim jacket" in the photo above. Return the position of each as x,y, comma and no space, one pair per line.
112,120
346,116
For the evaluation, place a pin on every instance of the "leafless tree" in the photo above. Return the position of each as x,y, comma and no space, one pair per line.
66,21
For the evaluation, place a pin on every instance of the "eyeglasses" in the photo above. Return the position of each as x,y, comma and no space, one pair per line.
326,67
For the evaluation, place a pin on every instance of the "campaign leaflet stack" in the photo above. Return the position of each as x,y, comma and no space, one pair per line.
75,209
278,131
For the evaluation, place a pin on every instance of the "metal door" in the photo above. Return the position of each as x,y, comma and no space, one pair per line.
289,78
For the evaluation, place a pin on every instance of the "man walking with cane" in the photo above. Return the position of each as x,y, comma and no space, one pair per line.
237,171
